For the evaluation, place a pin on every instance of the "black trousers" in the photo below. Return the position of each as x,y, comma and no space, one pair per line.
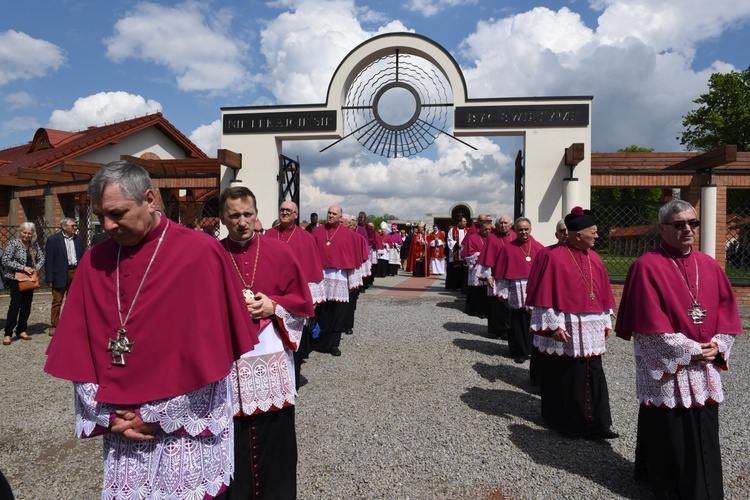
498,322
265,456
519,340
18,310
477,301
679,450
304,349
575,397
331,317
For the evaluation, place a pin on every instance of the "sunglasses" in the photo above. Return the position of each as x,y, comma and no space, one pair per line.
680,224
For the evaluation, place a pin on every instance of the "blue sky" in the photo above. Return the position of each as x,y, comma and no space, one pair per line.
69,64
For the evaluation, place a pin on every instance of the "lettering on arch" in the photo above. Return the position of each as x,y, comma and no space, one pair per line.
525,116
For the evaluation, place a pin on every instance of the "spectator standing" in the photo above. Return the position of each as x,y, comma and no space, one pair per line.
21,255
63,252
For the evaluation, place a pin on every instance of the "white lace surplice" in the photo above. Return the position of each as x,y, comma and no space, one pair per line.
317,291
586,331
191,457
666,376
512,291
473,278
336,284
263,379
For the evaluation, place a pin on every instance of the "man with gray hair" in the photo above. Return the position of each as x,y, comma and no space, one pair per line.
680,311
151,327
63,250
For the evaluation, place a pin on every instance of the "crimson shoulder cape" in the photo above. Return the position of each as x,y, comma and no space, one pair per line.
510,262
655,298
344,252
276,273
188,325
303,246
494,243
557,281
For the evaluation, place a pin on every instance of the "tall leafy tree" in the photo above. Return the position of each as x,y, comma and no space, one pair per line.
723,116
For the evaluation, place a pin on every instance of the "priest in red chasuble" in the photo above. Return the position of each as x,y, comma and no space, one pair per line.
571,300
680,311
153,322
419,258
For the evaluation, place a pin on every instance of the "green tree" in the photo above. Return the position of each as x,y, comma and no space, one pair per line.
723,116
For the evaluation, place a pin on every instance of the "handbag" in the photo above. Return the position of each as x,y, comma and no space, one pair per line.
28,282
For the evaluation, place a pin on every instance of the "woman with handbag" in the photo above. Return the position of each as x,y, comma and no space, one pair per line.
22,260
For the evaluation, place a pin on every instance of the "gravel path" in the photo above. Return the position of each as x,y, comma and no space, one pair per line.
422,404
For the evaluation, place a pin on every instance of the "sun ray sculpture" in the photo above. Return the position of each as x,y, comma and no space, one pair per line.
397,106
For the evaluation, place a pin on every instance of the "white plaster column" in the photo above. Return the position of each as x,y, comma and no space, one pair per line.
708,220
571,196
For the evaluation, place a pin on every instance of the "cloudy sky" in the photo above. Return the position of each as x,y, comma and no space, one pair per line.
70,64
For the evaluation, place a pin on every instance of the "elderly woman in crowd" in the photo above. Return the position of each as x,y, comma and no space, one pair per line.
25,255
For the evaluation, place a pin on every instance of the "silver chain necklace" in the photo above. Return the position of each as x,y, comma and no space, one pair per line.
695,312
120,345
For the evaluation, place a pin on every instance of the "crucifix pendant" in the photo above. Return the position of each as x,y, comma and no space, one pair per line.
528,258
696,313
328,243
247,293
592,296
119,346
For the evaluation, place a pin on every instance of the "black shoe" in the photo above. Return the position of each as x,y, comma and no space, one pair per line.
608,433
349,331
335,351
520,359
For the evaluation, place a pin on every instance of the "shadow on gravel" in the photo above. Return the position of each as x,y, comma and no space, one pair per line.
482,347
451,305
468,328
32,329
592,459
504,403
517,375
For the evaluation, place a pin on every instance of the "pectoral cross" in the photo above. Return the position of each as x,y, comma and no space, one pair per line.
696,313
120,346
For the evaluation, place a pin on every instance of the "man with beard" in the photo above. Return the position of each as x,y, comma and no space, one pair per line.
571,301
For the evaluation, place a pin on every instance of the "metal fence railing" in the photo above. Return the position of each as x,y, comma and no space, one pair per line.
738,241
626,231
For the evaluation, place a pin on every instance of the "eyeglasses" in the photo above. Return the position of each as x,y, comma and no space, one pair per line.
287,211
680,224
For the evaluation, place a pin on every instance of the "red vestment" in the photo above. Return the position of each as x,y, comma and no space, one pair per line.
189,322
338,247
561,278
655,298
418,253
436,251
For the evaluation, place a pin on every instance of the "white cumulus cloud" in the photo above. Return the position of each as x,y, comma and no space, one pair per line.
189,39
100,109
208,137
23,57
